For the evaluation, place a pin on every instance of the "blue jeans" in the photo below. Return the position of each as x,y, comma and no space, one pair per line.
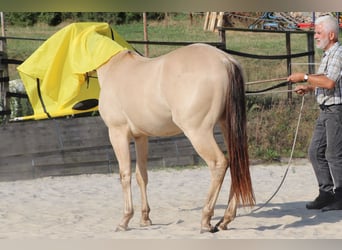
325,150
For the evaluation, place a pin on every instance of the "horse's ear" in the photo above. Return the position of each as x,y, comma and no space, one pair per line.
86,104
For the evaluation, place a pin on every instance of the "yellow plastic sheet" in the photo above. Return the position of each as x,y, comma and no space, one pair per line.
55,75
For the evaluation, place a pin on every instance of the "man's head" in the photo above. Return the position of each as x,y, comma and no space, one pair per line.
326,32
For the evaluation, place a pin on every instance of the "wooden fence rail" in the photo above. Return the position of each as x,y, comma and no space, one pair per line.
72,146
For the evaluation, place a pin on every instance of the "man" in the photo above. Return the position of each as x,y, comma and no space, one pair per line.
325,150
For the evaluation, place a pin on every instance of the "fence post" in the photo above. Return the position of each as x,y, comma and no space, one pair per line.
4,82
311,57
147,53
222,34
288,62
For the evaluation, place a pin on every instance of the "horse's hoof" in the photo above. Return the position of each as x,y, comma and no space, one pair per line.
209,229
121,228
214,230
220,227
146,223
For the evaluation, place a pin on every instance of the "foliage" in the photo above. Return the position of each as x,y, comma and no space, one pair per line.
56,18
272,126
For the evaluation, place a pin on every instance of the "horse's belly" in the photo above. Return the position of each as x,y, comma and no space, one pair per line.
151,127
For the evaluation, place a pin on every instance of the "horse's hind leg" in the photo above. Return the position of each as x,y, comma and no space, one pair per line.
229,214
206,146
141,145
120,139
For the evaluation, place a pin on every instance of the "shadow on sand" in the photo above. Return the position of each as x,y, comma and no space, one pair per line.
296,209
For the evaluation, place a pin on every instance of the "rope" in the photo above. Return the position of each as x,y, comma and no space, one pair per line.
271,92
289,162
282,84
268,80
269,57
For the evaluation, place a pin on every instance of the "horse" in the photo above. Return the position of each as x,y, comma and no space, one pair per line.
188,90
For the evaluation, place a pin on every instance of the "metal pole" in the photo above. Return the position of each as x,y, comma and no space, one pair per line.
338,14
313,17
311,47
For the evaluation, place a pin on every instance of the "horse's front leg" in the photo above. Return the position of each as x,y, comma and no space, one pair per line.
119,138
141,147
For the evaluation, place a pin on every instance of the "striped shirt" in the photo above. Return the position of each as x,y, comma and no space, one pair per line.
331,66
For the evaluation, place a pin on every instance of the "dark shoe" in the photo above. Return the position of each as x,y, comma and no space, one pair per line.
335,205
323,200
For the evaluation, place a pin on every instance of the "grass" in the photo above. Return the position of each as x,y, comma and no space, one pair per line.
271,128
271,118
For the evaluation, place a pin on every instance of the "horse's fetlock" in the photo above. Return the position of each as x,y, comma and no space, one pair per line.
222,227
129,214
145,222
121,228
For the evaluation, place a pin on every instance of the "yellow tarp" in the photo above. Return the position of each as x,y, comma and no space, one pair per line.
55,75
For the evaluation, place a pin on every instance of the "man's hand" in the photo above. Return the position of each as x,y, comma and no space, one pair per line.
302,89
296,77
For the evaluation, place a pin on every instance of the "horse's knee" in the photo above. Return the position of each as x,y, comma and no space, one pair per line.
125,178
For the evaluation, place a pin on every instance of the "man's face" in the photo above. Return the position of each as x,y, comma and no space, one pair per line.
322,38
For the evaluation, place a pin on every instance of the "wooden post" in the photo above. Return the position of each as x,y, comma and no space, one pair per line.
145,34
220,19
288,62
212,21
2,24
166,19
206,21
4,84
222,34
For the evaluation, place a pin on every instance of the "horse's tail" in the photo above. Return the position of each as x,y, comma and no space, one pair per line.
236,122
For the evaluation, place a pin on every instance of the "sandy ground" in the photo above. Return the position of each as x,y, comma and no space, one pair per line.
90,207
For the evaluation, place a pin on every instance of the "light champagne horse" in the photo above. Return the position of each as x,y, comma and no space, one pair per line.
187,90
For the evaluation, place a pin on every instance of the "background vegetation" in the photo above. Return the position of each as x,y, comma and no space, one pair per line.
272,118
